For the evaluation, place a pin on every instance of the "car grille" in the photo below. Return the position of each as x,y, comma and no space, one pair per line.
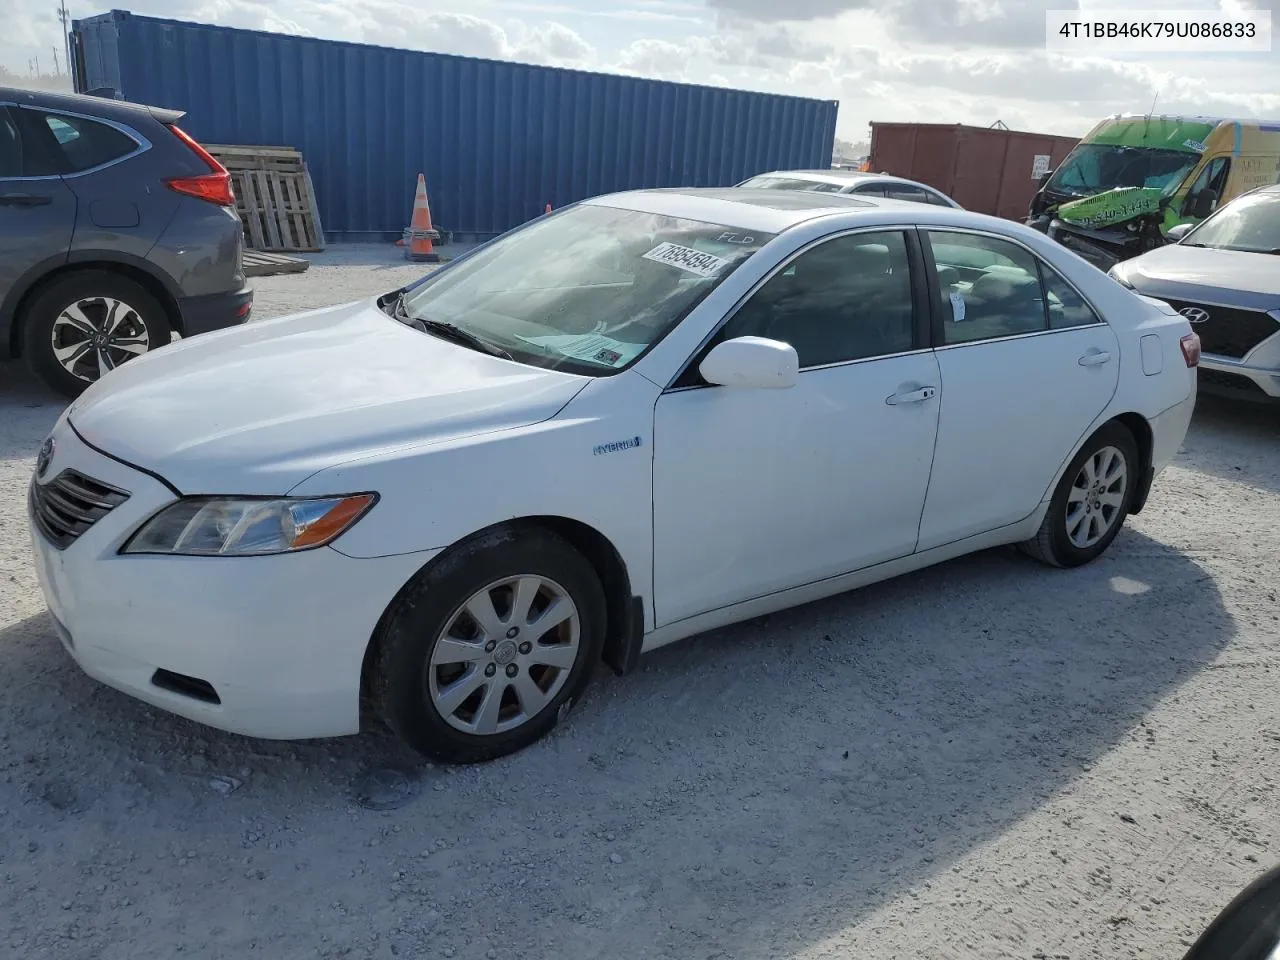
70,504
1230,332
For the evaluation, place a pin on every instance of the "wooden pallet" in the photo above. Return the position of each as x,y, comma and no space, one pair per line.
275,197
258,263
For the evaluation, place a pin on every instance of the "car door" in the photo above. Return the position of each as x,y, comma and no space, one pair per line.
1026,367
757,490
37,210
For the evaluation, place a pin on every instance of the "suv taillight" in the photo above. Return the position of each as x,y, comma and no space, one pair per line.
214,187
1190,349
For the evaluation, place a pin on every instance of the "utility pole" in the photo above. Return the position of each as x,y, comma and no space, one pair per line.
65,19
56,71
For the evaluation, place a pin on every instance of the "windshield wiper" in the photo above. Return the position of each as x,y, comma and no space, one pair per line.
446,331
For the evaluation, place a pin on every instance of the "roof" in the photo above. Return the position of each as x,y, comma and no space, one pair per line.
770,211
83,103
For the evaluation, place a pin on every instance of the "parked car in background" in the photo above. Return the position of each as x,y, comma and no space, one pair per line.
451,502
117,231
1223,275
850,181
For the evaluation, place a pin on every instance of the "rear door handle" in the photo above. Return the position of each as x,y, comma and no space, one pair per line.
24,199
913,396
1094,359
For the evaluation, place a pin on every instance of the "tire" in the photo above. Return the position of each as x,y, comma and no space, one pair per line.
140,325
1054,543
438,706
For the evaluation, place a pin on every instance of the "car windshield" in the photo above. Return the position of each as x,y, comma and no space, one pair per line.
790,183
587,290
1095,167
1250,223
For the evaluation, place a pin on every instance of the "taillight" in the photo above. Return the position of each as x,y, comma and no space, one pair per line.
214,187
1190,349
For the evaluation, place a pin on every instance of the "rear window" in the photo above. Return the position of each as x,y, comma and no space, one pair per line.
85,144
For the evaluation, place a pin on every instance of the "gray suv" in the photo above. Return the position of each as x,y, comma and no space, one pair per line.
117,230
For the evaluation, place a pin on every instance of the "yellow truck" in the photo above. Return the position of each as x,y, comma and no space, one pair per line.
1133,179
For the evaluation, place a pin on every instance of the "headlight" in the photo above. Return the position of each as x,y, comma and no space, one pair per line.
1115,274
238,526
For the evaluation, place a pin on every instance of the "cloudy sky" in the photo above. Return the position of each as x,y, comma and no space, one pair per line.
968,61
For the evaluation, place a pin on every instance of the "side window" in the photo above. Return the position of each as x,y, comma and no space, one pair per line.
937,199
10,146
1066,307
1213,177
86,144
869,189
905,192
988,287
846,299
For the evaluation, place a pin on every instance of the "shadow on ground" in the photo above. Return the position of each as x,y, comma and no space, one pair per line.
742,795
1235,440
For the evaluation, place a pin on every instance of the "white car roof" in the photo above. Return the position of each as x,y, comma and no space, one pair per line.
844,178
773,211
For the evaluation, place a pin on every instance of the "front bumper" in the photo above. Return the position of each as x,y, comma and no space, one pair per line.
1238,378
280,640
216,311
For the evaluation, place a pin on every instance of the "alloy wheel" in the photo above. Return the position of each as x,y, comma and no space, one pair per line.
504,655
1097,497
97,334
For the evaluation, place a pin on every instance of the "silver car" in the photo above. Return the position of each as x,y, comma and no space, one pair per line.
1223,275
850,181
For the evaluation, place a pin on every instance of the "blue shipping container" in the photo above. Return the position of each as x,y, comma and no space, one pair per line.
496,140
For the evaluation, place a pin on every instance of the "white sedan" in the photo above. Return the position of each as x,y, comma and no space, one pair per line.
641,417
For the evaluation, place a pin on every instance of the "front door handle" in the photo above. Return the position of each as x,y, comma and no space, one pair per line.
1094,359
913,396
24,199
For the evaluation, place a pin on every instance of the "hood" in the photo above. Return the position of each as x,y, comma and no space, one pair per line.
1232,278
258,408
1111,206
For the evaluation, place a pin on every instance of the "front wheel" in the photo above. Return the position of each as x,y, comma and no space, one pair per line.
85,324
485,652
1091,500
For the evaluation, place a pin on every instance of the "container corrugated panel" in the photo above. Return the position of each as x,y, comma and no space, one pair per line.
984,169
496,140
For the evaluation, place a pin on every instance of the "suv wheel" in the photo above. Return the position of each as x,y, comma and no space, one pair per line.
85,324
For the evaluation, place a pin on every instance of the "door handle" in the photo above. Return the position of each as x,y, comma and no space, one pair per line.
24,199
913,396
1094,359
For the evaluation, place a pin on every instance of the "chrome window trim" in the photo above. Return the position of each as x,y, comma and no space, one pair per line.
141,142
778,268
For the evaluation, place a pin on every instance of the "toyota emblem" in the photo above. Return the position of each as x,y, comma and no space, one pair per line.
1194,314
44,456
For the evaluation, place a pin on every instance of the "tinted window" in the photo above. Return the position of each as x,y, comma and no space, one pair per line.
847,299
902,192
1066,307
936,199
869,189
988,287
10,146
86,144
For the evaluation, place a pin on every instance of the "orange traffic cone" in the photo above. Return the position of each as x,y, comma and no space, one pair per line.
419,235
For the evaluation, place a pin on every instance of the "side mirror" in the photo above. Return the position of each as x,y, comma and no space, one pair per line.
1202,203
1044,179
1249,927
751,362
1176,234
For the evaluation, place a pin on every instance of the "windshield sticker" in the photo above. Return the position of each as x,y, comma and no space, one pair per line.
734,238
595,347
687,259
957,306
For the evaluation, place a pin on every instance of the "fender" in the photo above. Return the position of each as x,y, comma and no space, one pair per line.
11,330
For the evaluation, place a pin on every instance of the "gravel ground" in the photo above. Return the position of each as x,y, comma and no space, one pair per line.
984,759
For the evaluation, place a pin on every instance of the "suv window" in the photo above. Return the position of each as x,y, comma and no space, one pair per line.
10,146
85,144
1001,298
846,299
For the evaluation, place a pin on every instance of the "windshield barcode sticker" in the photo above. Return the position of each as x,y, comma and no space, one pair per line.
687,259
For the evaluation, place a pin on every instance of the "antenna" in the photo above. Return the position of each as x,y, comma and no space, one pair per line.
1154,101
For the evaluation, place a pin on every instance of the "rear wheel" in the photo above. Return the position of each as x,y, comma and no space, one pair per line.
1091,501
487,650
83,325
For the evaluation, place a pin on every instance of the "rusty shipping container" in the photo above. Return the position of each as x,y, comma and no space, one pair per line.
984,169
